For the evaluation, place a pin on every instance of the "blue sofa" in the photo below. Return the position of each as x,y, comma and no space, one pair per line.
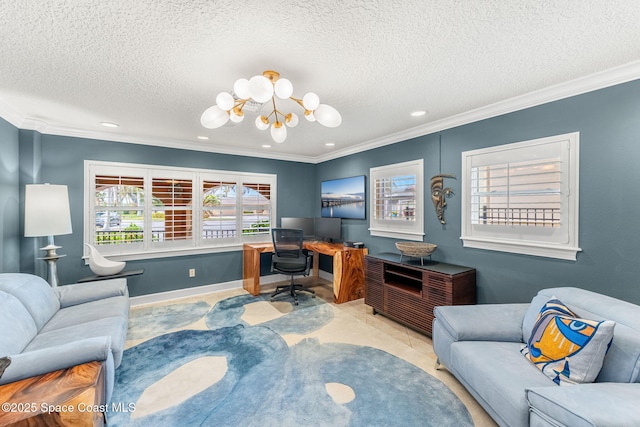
47,329
480,345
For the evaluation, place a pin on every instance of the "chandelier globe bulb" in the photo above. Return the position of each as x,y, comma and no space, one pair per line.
283,88
310,101
309,116
262,123
236,116
278,132
327,116
260,88
241,89
214,117
291,120
225,101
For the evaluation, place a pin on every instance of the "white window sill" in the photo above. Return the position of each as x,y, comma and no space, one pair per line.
151,254
522,247
404,235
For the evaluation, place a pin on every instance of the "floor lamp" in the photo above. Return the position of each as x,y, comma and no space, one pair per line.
47,213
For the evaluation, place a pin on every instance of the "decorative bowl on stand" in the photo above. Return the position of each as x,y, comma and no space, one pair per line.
416,250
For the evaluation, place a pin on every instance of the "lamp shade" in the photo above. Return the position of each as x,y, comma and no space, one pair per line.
46,210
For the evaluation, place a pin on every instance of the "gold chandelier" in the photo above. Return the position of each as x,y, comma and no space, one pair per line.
260,89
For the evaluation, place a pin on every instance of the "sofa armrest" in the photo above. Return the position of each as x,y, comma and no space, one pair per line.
81,293
41,361
594,404
482,322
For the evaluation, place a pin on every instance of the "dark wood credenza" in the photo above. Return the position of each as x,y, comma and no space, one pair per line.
408,291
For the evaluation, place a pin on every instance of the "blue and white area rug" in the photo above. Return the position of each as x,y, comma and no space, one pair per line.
243,361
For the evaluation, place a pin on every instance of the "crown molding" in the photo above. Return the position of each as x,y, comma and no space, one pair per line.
592,82
164,142
11,115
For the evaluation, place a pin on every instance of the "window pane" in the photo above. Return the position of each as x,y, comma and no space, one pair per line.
256,209
525,193
172,209
395,198
219,210
119,204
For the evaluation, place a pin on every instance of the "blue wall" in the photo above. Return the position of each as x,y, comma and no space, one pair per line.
9,199
609,124
608,121
63,163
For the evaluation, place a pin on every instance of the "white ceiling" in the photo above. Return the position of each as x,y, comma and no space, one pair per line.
153,66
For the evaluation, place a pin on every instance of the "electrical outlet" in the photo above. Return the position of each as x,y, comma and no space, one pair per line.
192,272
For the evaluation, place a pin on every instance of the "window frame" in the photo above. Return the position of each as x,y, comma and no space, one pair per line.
560,243
197,244
405,230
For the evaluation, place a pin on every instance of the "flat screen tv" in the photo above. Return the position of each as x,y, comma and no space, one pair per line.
343,198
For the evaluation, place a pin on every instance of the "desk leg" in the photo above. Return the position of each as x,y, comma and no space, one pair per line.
251,270
316,264
348,275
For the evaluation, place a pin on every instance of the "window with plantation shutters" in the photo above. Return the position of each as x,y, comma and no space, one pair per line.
523,197
233,210
256,209
526,193
115,198
219,210
396,202
145,211
172,208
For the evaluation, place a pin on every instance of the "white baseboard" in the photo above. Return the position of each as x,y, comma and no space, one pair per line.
207,289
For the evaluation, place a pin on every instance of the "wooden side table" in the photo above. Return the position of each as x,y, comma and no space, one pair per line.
68,397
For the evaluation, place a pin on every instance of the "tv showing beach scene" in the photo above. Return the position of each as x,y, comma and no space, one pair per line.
343,198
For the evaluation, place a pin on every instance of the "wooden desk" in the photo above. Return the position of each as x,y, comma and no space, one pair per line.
348,268
68,397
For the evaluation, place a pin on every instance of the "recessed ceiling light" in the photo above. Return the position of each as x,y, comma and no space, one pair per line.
204,138
266,146
110,125
330,144
418,113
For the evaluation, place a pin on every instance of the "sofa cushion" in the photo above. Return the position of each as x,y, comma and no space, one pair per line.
114,327
87,312
566,348
586,405
34,293
18,327
496,374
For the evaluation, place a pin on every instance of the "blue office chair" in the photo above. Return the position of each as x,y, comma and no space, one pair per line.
289,258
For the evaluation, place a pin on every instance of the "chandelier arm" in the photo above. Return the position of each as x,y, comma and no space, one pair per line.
240,103
299,102
275,110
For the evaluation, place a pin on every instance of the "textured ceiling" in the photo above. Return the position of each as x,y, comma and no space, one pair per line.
153,66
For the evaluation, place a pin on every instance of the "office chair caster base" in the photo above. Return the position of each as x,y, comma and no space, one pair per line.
291,289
